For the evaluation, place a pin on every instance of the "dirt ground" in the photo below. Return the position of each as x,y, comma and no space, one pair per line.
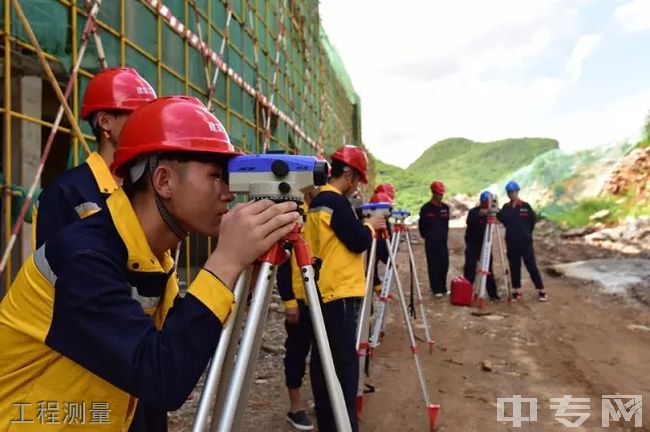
582,342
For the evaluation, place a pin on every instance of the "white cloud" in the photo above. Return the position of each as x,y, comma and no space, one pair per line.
634,15
583,49
621,120
428,70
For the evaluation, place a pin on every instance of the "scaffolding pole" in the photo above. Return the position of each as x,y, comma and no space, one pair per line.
90,24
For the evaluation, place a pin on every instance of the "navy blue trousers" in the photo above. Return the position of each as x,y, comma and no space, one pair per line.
297,345
523,250
340,318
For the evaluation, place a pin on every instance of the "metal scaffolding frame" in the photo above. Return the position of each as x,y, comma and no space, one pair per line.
294,100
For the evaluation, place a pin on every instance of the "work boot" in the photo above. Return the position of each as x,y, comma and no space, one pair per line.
300,421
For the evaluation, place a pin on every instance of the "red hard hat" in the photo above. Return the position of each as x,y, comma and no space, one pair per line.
386,188
379,197
354,157
170,124
116,89
438,187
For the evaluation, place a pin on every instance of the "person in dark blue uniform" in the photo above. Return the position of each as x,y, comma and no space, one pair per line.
476,222
434,228
519,220
339,239
299,332
94,316
111,96
382,249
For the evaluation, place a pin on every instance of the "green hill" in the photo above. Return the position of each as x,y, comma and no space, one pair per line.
463,165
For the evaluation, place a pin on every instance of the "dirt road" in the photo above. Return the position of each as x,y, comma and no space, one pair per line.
582,343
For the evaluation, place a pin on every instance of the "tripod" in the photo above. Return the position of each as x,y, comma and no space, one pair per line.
229,379
492,228
399,229
363,326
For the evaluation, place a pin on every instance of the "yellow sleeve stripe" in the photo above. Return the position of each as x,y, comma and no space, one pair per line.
291,304
213,293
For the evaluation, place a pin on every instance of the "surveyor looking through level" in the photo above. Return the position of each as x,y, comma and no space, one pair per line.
111,96
382,250
339,239
94,314
299,332
474,235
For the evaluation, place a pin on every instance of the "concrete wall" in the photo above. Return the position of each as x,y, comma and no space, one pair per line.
30,139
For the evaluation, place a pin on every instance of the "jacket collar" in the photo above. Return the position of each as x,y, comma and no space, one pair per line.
516,203
329,188
102,173
141,258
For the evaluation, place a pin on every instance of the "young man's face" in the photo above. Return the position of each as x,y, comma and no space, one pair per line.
513,195
199,196
437,197
353,180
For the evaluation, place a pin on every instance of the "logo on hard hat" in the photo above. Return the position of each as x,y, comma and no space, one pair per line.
145,91
214,127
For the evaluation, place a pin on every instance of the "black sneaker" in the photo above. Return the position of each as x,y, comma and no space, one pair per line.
516,295
542,296
300,421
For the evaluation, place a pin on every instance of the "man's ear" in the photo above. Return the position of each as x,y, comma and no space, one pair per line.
103,120
163,179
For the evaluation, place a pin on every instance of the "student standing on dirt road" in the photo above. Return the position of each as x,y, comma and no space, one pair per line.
519,220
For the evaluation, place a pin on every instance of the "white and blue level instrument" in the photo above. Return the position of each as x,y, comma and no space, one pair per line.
278,177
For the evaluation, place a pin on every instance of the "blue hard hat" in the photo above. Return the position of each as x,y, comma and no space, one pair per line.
485,196
512,186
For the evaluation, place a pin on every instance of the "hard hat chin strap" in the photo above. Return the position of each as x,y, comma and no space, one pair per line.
171,222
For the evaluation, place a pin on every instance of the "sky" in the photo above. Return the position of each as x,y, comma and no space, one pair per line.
574,70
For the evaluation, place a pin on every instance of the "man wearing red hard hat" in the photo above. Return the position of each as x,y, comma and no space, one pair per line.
339,239
111,96
386,188
382,250
434,228
93,316
298,327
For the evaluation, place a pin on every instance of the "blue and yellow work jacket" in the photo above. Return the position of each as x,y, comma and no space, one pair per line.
93,323
339,239
75,194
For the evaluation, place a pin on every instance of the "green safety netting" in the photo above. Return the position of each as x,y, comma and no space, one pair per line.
327,78
49,20
339,67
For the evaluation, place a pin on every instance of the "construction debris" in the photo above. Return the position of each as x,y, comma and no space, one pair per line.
486,365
